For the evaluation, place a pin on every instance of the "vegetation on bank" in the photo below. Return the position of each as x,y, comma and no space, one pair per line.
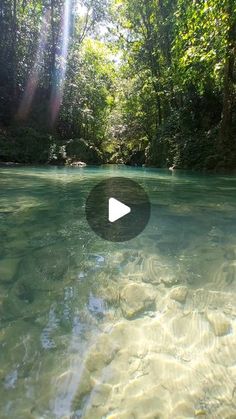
121,81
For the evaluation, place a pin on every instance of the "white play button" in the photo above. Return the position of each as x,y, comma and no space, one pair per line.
117,210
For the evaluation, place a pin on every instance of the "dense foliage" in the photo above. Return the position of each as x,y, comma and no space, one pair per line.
127,81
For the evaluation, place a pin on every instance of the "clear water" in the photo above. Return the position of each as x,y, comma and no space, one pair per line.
61,295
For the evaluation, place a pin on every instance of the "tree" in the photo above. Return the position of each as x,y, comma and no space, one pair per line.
229,75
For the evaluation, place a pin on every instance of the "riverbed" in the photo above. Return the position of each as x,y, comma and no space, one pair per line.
140,329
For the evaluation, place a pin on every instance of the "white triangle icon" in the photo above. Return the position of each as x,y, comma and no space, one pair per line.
117,210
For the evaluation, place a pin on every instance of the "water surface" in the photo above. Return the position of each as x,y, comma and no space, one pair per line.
95,329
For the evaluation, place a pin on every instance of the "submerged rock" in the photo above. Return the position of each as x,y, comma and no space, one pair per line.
179,294
219,322
135,299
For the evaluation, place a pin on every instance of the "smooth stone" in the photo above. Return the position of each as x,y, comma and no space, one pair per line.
219,322
135,299
179,294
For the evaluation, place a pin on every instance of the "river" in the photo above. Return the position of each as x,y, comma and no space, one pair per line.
140,329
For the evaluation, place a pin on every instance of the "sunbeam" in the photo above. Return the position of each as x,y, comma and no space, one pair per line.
57,91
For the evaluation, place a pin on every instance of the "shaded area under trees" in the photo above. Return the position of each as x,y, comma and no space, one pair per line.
121,81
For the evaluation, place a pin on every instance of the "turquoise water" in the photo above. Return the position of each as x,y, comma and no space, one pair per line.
62,289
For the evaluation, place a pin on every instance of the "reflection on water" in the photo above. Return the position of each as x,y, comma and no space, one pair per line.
95,329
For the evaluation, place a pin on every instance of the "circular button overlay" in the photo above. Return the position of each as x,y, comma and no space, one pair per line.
118,209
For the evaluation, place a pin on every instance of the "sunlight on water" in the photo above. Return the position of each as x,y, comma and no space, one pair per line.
95,329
